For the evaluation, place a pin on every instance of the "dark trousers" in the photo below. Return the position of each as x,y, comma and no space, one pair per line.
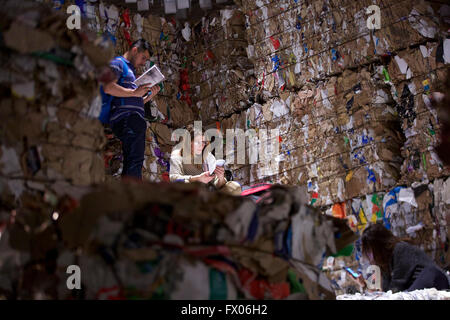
131,131
430,277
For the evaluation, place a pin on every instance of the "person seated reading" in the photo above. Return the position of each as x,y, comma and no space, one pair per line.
189,171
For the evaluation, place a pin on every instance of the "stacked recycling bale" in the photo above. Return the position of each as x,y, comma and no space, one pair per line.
153,241
50,137
218,75
353,108
332,142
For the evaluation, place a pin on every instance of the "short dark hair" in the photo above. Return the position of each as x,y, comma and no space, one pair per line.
142,45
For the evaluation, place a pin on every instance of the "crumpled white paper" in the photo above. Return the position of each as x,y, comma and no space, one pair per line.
425,294
407,195
186,32
418,23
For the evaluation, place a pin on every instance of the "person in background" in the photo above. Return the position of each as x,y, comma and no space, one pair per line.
404,267
127,107
441,101
191,172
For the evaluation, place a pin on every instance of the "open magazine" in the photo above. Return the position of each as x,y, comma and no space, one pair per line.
212,163
151,77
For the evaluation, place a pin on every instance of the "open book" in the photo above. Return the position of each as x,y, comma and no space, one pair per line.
151,77
213,163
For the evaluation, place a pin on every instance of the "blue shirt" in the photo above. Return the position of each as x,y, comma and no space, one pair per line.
123,107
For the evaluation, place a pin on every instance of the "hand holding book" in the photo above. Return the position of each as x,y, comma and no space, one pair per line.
151,77
153,92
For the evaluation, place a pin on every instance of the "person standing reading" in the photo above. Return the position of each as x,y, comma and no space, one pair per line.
127,106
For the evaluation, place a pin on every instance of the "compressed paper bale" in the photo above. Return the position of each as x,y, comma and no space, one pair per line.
25,39
51,121
77,164
84,141
98,56
97,173
60,136
163,133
